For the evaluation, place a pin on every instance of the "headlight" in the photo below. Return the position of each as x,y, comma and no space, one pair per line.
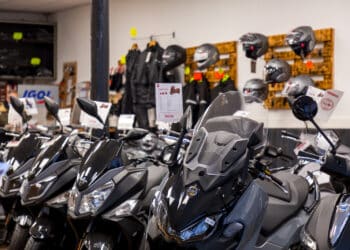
37,189
125,208
59,200
307,240
198,231
91,202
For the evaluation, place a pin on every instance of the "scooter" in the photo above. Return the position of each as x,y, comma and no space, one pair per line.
223,196
52,172
18,159
328,228
101,185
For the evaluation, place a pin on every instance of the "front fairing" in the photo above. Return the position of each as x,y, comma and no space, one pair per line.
101,156
27,147
51,152
127,181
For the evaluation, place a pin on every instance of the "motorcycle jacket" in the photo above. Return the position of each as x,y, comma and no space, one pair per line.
146,74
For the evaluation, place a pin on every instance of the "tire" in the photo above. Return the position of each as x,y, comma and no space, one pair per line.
19,238
33,244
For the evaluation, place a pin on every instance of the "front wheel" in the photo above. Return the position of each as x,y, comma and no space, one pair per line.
19,238
97,241
33,244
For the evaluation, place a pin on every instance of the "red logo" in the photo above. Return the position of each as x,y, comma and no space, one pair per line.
327,104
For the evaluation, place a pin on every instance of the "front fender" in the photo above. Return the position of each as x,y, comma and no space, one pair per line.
43,228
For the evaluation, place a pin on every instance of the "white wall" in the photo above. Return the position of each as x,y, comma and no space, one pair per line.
199,21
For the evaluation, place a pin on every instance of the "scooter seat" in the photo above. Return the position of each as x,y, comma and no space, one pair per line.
283,203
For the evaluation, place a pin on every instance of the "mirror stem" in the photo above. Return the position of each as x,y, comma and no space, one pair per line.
333,151
173,159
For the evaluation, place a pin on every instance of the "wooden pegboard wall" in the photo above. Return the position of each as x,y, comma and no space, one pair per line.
323,69
225,48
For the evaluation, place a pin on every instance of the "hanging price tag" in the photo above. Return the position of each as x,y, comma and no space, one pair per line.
102,110
126,122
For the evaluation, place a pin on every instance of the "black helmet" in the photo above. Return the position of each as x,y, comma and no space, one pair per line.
173,56
255,90
277,71
206,55
254,45
297,86
302,40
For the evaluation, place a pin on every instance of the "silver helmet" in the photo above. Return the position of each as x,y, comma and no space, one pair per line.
302,40
206,55
277,71
297,86
255,90
254,44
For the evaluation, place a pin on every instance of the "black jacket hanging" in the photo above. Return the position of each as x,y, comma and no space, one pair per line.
145,75
222,87
127,101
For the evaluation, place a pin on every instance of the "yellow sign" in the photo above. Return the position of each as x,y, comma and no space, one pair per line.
133,32
123,59
35,61
17,36
187,70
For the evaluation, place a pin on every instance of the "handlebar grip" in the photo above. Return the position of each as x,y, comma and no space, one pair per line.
289,134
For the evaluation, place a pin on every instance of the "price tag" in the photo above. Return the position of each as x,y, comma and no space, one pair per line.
126,122
241,113
64,115
169,102
102,110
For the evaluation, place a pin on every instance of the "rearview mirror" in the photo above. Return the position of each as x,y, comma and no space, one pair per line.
52,107
135,134
304,108
89,107
17,104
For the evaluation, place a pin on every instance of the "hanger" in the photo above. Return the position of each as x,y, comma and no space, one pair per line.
134,46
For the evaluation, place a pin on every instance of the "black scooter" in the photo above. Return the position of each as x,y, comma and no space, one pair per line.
102,185
52,172
224,196
19,158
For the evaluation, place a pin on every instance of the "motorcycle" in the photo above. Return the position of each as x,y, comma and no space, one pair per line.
51,173
328,227
17,159
224,195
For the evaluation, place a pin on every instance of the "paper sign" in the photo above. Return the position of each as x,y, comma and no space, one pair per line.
315,93
102,110
169,103
328,103
126,122
64,115
241,113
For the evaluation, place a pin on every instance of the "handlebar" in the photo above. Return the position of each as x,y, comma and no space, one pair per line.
289,135
303,155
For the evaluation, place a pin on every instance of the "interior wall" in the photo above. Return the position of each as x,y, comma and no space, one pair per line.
22,16
197,21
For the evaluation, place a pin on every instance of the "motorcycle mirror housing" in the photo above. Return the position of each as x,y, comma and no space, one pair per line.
17,104
52,107
135,134
89,107
304,108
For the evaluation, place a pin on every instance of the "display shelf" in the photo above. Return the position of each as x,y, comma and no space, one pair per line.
321,56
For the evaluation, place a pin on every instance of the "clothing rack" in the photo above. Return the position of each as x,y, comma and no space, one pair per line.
152,37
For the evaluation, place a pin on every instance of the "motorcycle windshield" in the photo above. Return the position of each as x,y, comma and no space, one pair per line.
223,134
50,152
26,148
101,156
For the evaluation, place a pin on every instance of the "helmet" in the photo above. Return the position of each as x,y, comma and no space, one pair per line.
255,90
254,45
173,56
297,86
277,71
206,55
302,40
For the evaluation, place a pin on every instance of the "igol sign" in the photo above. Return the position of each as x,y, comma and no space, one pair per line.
37,94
